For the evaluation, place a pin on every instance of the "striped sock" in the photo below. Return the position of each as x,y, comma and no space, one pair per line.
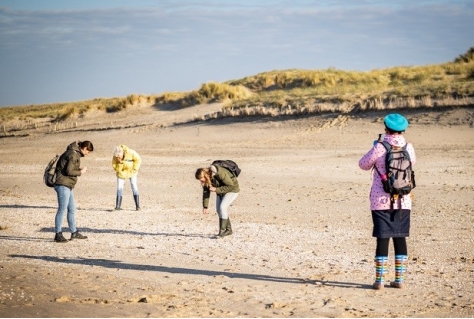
400,267
381,263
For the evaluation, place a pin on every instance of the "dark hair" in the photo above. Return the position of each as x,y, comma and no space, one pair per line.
86,144
392,131
206,173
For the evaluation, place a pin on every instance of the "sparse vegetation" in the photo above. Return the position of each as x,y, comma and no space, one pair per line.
208,93
293,92
466,57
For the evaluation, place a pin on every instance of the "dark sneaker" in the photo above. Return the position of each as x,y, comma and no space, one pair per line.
59,238
77,235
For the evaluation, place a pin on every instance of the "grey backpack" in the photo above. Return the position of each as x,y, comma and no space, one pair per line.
50,172
399,177
230,165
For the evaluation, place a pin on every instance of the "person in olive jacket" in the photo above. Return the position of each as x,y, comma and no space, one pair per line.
126,163
224,183
68,168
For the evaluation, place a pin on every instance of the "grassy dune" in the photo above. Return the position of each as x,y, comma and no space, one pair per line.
294,92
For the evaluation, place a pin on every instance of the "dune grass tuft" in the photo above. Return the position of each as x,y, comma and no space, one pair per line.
293,92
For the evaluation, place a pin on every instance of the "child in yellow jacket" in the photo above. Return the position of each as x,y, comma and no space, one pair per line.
126,163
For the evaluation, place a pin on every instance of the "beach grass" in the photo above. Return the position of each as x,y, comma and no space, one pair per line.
293,92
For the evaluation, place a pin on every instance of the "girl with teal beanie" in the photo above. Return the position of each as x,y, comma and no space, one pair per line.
390,219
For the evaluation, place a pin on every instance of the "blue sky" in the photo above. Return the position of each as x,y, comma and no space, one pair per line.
61,51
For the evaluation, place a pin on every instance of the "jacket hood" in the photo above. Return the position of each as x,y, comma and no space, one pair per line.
124,147
213,169
74,147
395,140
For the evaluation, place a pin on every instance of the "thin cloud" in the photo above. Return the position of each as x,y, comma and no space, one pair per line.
182,44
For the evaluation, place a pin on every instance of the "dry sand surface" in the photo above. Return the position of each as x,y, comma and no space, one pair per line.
302,244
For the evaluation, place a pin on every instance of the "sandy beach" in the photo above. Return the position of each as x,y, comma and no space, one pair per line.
302,244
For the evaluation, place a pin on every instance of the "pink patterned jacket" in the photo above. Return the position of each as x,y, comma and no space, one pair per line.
379,200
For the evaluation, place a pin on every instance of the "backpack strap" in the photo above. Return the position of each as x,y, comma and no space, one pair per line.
388,148
377,170
387,145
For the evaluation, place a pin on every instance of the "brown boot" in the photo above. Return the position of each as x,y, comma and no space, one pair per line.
77,235
59,238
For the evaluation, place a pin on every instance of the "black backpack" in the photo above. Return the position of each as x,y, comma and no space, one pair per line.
50,172
399,177
230,165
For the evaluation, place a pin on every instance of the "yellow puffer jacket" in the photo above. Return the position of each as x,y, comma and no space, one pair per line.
129,165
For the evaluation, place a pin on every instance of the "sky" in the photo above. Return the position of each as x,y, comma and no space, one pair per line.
65,51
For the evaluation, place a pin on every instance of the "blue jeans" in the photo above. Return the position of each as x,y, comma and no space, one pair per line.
65,201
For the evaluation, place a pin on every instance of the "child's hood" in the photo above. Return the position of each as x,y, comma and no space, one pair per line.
395,140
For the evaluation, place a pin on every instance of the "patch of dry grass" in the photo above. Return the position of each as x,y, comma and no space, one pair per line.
292,92
210,92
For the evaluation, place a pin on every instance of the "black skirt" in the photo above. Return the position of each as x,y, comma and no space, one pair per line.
391,223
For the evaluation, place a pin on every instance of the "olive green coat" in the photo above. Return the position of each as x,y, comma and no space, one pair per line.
224,181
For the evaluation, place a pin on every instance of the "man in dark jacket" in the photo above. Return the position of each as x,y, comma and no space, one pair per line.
68,169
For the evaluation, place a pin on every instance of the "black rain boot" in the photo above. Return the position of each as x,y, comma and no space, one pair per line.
221,228
118,203
59,238
228,228
222,231
137,201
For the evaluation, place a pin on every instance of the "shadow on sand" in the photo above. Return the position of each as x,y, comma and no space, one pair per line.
86,230
27,206
115,264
